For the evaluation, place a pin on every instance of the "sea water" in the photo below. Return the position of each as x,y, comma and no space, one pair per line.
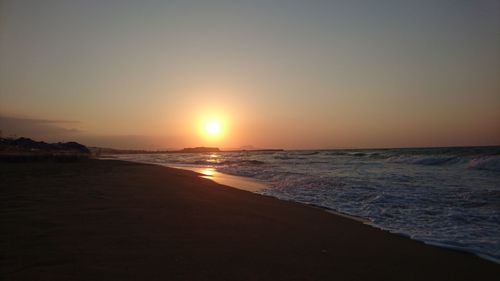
448,197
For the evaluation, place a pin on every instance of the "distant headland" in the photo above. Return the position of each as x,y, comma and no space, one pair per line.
199,149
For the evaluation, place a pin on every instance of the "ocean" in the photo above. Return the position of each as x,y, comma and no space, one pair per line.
449,197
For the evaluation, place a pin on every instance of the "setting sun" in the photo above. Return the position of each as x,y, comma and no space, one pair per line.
213,128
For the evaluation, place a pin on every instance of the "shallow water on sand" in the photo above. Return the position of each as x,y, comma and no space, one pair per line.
244,183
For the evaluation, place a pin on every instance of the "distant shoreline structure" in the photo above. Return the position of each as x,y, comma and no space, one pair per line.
199,149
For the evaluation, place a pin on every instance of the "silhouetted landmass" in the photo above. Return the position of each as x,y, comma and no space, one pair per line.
200,149
27,144
256,150
25,149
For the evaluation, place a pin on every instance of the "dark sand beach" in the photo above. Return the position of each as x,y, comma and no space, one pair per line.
113,220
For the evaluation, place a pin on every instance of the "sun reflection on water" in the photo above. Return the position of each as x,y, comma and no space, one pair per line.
213,158
208,172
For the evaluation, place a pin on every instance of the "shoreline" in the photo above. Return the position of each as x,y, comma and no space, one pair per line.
238,182
252,185
111,219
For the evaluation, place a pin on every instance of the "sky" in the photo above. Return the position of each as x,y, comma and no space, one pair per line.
274,74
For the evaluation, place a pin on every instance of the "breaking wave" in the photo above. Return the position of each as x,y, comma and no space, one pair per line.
423,160
491,163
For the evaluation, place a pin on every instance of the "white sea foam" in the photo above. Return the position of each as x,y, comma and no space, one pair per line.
486,163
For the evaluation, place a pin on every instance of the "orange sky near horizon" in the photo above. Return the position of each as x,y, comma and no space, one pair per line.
321,74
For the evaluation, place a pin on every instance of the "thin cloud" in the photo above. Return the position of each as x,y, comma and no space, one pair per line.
38,128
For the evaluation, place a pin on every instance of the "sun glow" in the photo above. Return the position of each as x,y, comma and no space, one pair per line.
213,128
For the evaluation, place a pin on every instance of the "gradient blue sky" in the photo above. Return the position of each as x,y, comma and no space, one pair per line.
292,74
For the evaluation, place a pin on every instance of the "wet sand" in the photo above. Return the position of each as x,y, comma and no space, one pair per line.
113,220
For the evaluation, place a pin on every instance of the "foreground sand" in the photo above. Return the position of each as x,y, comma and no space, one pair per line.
112,220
